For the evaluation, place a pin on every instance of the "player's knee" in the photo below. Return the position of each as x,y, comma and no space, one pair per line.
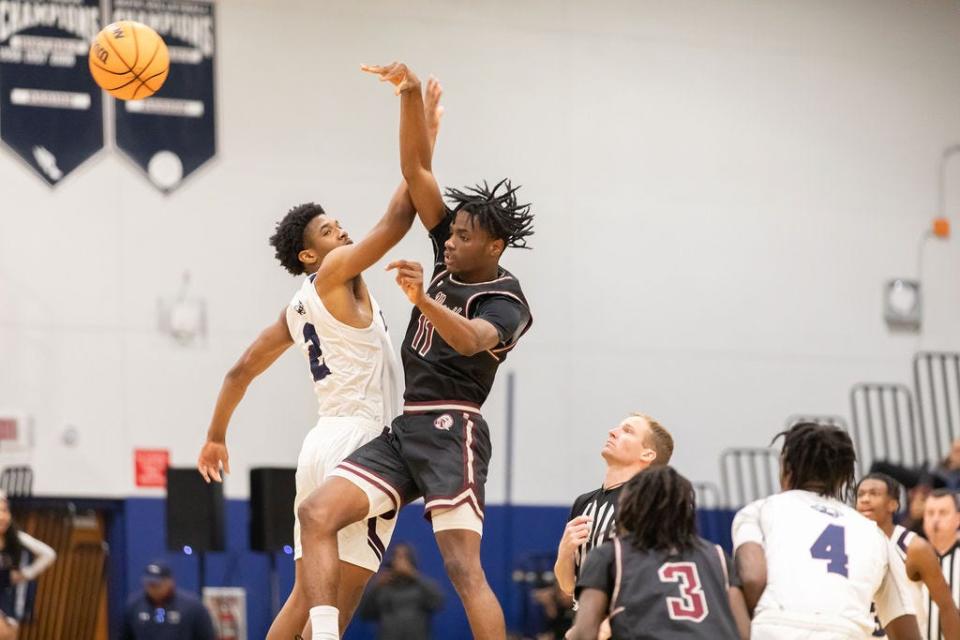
465,573
319,517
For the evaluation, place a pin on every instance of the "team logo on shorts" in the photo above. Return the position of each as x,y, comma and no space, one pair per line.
444,422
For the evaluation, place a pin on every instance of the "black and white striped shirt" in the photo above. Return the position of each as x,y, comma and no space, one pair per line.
601,505
950,565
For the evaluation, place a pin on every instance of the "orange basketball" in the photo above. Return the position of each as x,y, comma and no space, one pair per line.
129,60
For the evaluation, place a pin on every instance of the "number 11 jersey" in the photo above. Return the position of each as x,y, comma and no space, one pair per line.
826,563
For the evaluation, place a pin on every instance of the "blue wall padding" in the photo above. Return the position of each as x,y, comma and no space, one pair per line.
518,536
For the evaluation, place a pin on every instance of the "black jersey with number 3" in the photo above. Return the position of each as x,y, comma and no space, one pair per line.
658,596
433,370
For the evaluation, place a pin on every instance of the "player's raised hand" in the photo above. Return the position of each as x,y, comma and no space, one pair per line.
395,73
432,108
212,457
410,279
575,533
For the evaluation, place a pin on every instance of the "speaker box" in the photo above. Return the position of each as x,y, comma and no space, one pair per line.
272,490
194,511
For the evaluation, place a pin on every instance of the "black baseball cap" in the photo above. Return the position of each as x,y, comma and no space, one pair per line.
156,571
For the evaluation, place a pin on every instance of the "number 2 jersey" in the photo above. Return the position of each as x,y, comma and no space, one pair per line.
435,373
826,564
354,371
654,595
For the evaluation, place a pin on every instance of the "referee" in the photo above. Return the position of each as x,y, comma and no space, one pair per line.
941,519
635,444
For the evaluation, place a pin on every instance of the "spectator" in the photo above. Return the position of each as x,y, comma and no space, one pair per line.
557,611
163,612
13,542
946,475
401,600
916,502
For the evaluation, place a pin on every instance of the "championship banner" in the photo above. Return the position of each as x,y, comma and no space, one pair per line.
172,133
51,111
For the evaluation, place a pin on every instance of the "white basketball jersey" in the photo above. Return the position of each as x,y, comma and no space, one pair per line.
901,539
826,563
354,371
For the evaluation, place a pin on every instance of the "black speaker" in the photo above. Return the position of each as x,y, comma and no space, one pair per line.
272,490
194,511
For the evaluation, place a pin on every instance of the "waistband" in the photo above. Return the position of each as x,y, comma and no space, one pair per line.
436,406
349,422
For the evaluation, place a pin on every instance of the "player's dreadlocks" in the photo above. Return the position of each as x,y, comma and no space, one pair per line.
288,239
658,510
818,458
495,211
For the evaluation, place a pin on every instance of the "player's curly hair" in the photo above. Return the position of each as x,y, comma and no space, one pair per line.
818,458
288,238
658,511
495,210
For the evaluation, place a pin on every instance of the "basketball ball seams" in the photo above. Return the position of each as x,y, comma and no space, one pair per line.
144,82
120,57
136,47
105,70
147,81
156,50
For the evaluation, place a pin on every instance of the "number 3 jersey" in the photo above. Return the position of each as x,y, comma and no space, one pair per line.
354,371
655,595
826,564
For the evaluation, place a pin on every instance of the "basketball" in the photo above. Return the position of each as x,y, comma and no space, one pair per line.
129,60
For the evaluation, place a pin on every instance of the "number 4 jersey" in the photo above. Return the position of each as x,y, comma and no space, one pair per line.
826,564
355,372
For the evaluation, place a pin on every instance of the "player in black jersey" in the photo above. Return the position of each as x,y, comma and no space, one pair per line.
637,443
658,580
470,316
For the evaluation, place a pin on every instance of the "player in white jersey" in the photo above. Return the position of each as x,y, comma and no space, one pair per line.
941,519
810,565
339,327
878,498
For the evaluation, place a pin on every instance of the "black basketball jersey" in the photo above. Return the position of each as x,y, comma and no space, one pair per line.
659,596
601,505
433,370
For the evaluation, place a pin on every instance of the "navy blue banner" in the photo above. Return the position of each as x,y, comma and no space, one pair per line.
172,133
51,111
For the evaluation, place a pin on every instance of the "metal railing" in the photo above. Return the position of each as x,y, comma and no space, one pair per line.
936,386
748,474
883,425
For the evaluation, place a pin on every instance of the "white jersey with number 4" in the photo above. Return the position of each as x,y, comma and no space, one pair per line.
355,371
826,564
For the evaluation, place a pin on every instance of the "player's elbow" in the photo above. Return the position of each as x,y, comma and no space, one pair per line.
240,374
416,172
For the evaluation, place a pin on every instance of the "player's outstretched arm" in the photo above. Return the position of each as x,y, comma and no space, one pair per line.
264,351
347,262
467,336
416,147
591,612
574,534
922,561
